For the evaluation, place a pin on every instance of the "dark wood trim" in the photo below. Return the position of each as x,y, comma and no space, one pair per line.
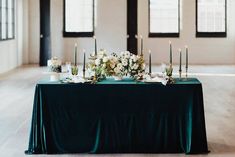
132,25
164,35
211,34
78,34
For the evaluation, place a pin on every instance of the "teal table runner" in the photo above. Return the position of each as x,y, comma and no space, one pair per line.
118,117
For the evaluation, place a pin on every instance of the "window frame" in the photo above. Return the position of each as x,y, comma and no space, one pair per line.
78,34
164,35
7,23
211,34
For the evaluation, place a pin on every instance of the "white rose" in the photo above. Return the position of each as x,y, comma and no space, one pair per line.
124,62
105,59
116,70
97,61
134,58
112,65
127,54
119,66
135,66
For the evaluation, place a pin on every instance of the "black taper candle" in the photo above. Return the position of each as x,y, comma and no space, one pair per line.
150,62
170,52
180,66
142,45
186,49
84,63
75,54
95,46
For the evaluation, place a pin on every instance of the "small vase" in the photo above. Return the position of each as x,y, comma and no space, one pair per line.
55,77
117,78
74,70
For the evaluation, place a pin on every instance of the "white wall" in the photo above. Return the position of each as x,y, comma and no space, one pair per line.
34,31
111,33
11,51
202,50
110,30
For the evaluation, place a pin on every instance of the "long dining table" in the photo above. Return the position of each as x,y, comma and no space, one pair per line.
118,117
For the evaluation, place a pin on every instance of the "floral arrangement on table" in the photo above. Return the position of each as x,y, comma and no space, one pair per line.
54,65
124,64
167,74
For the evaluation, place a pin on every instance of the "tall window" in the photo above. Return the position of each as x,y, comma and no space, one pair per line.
78,18
7,19
164,18
211,18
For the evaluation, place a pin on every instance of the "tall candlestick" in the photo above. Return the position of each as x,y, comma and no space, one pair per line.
75,54
95,46
84,63
170,52
141,45
186,49
150,63
180,68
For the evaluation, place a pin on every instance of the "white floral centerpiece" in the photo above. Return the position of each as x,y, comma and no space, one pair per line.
116,65
54,68
167,74
98,65
136,66
54,65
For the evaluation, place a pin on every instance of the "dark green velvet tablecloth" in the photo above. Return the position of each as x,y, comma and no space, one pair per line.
118,117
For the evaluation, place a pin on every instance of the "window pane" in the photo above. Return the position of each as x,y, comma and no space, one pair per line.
79,16
10,19
4,35
211,16
164,16
3,19
7,19
4,3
